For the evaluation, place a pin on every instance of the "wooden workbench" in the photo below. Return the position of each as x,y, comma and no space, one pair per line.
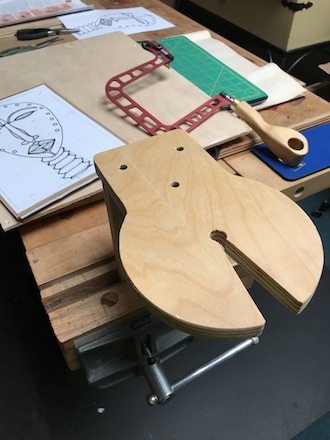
71,253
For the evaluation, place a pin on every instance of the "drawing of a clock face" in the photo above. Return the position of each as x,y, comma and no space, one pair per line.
30,130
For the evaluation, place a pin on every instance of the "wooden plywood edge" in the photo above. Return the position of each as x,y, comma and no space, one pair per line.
86,195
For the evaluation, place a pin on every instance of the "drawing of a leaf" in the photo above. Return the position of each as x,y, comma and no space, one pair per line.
16,135
22,114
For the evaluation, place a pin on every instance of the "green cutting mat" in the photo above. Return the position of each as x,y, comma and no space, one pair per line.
207,72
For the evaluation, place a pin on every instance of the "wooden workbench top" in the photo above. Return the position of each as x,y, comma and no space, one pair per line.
74,248
301,113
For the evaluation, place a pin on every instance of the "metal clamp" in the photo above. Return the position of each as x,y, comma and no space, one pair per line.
163,391
139,346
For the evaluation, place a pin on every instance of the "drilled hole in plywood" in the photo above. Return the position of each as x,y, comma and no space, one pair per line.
179,148
175,184
123,167
109,299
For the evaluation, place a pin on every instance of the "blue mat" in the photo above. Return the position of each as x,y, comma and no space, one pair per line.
317,158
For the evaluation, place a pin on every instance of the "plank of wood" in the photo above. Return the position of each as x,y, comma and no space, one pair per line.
246,164
53,261
82,302
63,225
68,243
175,214
72,74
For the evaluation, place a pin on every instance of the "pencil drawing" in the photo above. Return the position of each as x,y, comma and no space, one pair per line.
31,130
118,21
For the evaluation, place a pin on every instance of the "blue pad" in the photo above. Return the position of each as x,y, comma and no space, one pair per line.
317,158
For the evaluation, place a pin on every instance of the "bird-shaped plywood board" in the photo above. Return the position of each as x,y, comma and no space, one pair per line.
176,216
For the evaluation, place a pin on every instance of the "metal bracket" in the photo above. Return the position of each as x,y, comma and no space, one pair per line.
118,352
115,92
139,346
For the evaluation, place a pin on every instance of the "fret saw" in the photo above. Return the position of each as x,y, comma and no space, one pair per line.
287,144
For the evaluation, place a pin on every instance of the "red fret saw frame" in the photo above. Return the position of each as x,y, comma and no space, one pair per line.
115,92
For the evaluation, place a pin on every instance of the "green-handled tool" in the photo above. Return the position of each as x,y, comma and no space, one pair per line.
20,49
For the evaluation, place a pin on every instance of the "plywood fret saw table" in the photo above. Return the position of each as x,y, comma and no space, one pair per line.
72,258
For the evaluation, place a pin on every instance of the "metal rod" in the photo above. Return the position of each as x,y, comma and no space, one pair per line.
164,391
194,374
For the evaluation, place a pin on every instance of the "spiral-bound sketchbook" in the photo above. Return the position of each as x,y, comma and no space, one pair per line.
46,149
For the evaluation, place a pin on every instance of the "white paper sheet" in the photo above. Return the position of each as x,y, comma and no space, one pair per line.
277,84
104,21
46,149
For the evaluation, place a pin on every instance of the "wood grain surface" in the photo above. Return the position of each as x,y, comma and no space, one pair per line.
301,113
79,71
176,215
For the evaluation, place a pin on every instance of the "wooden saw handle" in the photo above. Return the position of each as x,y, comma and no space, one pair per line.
286,143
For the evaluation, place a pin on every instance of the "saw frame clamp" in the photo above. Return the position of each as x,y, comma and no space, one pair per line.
116,94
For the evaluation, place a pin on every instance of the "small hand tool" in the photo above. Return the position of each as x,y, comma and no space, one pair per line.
34,34
20,49
286,143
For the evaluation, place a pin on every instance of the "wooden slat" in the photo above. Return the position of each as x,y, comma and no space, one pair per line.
67,255
80,317
63,225
85,301
246,164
